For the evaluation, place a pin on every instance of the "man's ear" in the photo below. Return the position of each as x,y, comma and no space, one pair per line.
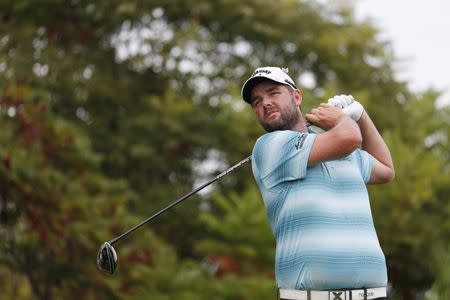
298,97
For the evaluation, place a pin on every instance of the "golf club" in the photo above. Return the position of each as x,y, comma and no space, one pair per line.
107,256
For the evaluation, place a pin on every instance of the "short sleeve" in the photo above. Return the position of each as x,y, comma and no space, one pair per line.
281,156
365,163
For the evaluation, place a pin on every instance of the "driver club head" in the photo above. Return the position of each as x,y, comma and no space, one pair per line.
107,259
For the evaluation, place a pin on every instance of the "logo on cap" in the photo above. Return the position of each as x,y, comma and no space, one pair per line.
258,71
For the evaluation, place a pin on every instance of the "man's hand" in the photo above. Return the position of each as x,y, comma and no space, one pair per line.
349,106
340,138
326,116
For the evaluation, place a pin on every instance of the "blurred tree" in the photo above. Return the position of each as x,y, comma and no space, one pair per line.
412,213
56,206
441,287
113,110
252,249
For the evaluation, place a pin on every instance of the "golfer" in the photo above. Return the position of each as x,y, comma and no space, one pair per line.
314,190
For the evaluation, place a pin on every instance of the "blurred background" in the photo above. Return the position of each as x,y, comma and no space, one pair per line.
110,110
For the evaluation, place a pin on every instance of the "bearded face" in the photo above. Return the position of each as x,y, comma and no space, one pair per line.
275,106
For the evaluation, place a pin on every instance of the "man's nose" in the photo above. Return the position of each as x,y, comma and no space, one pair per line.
267,102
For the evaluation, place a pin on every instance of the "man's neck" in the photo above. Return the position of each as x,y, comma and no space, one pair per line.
300,126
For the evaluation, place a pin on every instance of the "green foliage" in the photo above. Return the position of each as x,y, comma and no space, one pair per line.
253,247
111,110
441,287
407,210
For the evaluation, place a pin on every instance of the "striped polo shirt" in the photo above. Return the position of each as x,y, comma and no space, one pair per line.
320,215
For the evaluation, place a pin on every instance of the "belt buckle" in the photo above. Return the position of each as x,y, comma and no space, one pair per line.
337,295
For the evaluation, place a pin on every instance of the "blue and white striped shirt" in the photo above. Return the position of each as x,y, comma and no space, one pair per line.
320,215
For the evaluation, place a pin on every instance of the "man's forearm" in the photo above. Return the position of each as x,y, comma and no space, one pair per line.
373,142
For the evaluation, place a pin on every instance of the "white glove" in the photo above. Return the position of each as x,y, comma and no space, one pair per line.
349,106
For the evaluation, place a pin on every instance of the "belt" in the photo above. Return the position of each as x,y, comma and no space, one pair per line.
362,294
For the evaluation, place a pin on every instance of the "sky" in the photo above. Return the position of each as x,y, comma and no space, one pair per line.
419,31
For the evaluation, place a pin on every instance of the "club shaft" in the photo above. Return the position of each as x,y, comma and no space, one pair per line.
114,240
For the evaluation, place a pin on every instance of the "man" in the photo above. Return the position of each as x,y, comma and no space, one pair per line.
314,190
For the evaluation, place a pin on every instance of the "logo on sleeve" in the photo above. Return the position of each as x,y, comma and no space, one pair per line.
300,141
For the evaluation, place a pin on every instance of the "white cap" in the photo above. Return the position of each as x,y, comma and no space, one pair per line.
273,73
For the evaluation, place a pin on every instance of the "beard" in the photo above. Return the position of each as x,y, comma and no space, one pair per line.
289,117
